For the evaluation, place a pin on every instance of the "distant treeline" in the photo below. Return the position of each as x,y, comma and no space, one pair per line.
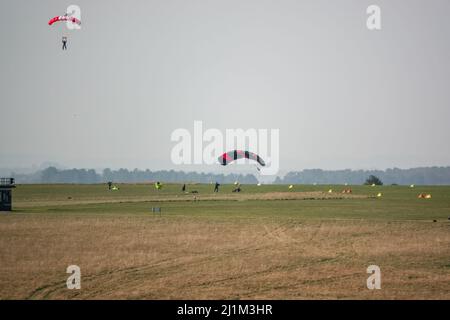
54,175
420,176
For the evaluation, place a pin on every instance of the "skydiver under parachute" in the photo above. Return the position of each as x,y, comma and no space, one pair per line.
65,17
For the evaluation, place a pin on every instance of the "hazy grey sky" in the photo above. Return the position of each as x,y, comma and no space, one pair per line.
341,95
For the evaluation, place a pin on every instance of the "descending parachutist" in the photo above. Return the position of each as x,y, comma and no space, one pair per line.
65,17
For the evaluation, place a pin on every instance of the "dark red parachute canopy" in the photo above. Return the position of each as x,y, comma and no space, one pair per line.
230,156
63,18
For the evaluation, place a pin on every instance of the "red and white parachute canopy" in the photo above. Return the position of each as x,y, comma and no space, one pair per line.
63,18
230,156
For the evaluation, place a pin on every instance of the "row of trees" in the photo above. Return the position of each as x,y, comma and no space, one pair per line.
419,176
54,175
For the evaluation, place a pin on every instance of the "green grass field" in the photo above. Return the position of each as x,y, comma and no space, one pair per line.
255,244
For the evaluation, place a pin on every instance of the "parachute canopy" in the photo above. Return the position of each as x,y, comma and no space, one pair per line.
230,156
63,18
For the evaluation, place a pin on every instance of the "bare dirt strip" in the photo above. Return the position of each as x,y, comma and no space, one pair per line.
317,195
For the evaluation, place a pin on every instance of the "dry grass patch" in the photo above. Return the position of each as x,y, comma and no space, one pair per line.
186,258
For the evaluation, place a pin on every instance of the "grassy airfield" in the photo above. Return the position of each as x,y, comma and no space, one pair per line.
266,242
